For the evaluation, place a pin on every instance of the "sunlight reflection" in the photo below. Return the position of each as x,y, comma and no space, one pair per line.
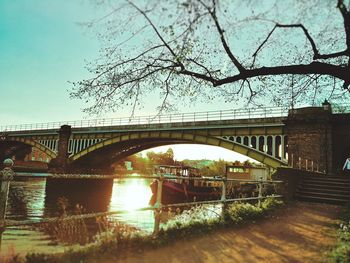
130,194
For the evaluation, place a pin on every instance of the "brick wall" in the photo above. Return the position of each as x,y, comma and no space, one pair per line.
309,134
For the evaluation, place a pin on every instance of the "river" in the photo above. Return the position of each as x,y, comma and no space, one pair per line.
31,198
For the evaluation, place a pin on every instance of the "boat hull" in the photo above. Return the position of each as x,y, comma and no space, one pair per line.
175,192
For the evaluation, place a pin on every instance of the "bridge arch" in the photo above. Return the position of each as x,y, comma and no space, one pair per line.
34,144
173,137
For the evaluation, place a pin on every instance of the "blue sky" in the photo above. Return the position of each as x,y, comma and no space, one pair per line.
42,49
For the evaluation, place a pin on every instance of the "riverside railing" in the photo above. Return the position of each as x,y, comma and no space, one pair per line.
158,206
231,114
304,164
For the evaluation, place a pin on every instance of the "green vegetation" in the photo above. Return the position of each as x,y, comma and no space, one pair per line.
208,168
196,221
161,158
145,164
341,252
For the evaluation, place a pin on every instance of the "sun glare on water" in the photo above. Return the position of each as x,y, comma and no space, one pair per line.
130,194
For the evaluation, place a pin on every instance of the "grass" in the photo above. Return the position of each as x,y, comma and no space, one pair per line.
341,252
113,241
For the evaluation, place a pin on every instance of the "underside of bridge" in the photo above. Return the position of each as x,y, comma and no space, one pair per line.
101,160
14,150
100,157
19,148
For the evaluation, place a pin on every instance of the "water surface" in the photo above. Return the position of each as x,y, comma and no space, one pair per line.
34,198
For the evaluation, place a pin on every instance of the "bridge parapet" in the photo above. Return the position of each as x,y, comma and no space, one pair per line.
177,118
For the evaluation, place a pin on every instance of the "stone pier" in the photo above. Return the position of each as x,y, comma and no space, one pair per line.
60,163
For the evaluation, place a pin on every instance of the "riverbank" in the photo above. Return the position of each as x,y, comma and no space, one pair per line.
299,232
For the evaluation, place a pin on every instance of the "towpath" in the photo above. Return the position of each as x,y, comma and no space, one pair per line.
302,232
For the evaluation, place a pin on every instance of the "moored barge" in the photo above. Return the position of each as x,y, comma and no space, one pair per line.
196,187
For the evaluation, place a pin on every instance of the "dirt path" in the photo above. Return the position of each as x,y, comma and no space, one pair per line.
300,233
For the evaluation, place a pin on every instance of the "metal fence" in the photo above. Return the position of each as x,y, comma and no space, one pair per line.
158,206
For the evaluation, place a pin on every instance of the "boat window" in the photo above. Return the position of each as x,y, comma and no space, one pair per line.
238,170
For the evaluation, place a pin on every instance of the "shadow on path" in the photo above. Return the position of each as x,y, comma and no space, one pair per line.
301,232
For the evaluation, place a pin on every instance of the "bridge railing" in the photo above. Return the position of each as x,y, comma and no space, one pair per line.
194,117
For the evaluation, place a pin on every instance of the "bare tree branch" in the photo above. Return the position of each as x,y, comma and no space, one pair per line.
154,28
316,55
222,37
183,58
346,17
312,68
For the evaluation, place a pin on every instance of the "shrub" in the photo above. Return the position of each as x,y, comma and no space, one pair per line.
341,252
240,212
270,203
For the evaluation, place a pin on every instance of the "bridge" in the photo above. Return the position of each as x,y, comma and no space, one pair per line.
273,136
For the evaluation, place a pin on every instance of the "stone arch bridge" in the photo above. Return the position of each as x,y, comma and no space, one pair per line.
273,136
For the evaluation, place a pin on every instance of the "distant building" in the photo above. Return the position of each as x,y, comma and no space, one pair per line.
128,165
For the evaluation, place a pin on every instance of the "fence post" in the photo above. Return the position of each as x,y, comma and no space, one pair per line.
312,165
223,197
306,166
299,163
6,176
260,191
158,205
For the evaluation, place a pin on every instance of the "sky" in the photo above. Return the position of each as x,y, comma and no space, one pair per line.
43,48
199,152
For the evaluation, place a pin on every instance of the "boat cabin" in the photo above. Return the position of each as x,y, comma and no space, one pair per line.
246,172
176,170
